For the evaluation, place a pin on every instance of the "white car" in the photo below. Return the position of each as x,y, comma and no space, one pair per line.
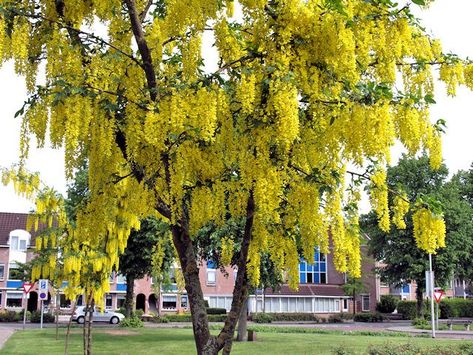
105,316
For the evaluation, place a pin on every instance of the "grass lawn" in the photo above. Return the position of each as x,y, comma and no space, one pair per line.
180,341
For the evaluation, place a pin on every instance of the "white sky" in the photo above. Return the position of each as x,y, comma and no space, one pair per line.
448,20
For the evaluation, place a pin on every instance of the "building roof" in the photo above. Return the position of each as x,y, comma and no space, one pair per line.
308,290
11,221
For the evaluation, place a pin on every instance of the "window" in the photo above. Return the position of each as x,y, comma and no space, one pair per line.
1,294
315,273
169,302
345,305
17,244
14,273
120,301
365,303
14,299
2,272
111,279
184,303
64,302
108,301
211,273
121,279
14,242
80,301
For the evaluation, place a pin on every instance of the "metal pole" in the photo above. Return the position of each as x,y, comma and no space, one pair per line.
432,314
42,309
438,316
25,309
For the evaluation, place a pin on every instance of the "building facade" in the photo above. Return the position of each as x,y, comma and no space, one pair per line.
320,289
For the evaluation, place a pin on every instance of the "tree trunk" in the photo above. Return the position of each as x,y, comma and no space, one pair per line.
420,302
243,322
354,303
69,323
207,344
89,330
129,298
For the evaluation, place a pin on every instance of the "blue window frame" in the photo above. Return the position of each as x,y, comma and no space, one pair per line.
314,273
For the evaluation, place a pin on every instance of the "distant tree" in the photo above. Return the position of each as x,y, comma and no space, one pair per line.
353,287
404,261
137,260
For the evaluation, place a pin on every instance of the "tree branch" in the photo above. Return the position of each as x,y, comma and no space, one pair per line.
143,48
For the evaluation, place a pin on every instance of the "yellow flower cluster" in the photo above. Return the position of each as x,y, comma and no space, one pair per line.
227,251
400,208
379,198
429,230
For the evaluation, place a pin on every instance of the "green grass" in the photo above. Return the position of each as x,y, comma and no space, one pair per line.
180,341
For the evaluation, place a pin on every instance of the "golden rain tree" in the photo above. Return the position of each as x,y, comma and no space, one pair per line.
302,89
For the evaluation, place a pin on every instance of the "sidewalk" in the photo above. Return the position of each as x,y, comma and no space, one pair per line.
5,333
452,334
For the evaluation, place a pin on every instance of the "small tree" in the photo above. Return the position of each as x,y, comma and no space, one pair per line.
353,287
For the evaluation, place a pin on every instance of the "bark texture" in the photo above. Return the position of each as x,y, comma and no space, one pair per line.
129,300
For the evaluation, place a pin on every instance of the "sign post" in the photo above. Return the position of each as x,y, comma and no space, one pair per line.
26,289
43,295
431,295
438,295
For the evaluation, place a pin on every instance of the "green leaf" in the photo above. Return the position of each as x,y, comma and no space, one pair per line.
419,2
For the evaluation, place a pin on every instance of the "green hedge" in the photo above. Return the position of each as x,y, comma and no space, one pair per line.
286,317
408,309
456,307
216,311
187,318
9,316
47,317
368,317
387,304
262,318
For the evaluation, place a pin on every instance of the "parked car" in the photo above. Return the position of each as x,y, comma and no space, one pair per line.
105,316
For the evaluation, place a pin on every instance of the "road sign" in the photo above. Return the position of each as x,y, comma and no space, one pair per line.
43,289
438,296
27,287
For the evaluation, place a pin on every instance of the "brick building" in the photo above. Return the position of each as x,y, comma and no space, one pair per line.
320,289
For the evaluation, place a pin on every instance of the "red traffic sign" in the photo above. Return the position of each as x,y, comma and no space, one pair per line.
438,296
27,287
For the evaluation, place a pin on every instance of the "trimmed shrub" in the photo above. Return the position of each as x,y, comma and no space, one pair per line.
456,307
294,317
186,317
368,317
47,317
387,304
262,318
216,311
132,322
346,316
419,322
9,316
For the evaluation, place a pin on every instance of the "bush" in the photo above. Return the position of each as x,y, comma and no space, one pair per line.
216,311
9,316
335,318
411,349
47,317
408,309
419,322
121,310
262,318
387,304
346,316
132,322
368,317
163,319
139,313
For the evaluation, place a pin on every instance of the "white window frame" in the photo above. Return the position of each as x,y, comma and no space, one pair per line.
169,308
363,297
12,266
108,296
16,298
2,275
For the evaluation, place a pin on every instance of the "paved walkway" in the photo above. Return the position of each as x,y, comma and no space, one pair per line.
5,333
453,334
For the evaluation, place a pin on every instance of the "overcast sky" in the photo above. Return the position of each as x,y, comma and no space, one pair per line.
448,20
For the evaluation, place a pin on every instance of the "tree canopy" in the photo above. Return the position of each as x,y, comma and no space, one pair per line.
300,90
403,260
